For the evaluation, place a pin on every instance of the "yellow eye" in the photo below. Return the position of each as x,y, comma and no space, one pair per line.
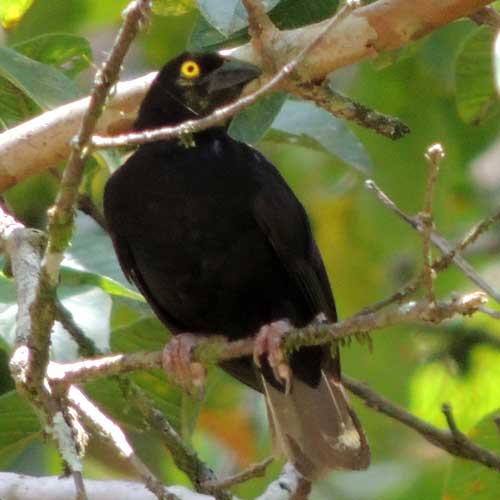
190,69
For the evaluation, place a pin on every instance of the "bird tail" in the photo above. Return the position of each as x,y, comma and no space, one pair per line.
315,427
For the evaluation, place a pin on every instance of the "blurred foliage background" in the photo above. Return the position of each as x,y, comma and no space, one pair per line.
442,86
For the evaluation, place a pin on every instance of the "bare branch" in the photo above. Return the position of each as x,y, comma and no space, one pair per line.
315,334
286,486
191,126
184,456
445,247
86,346
22,487
255,470
383,25
487,16
115,436
452,441
434,155
343,107
62,214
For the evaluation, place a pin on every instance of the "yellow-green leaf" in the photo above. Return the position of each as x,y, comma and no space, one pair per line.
173,7
11,12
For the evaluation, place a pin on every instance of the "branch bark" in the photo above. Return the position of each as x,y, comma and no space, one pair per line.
23,487
383,25
452,440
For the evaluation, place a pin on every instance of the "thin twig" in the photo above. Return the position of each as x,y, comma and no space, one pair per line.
192,126
315,334
434,155
437,240
114,435
452,425
439,264
446,439
470,238
184,456
85,203
88,207
490,312
61,216
86,346
255,470
285,487
487,16
343,107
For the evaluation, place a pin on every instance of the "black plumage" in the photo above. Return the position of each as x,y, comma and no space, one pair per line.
218,243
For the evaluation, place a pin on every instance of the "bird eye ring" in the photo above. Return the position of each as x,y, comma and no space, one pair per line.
190,69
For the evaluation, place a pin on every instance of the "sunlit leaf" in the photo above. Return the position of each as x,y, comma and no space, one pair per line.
42,83
12,11
470,480
77,277
301,122
474,79
472,395
68,53
173,7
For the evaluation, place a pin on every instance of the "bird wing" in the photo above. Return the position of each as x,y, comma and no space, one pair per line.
284,221
313,424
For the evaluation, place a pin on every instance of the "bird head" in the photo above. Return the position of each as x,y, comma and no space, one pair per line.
191,86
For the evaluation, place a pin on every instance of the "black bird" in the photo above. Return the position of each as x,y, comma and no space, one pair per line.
217,242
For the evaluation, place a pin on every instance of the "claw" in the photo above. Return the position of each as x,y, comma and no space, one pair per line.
269,342
178,363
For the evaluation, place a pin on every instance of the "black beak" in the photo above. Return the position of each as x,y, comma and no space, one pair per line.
232,73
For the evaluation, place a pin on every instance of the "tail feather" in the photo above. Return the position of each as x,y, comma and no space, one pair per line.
315,427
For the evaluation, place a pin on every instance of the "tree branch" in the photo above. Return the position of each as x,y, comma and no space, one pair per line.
452,440
22,487
213,351
383,25
450,253
191,126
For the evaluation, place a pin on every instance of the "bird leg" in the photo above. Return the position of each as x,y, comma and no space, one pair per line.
268,343
177,361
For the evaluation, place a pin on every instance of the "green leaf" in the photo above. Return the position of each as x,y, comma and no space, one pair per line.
173,7
470,480
12,11
19,425
101,258
472,395
474,80
252,123
149,334
68,53
40,82
287,14
228,16
77,277
205,37
304,123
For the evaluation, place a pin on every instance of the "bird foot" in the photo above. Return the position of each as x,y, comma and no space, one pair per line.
268,343
178,364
